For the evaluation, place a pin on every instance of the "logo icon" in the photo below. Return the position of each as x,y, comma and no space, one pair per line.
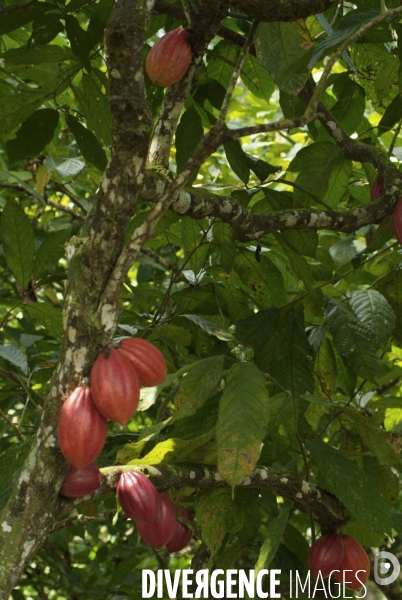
388,560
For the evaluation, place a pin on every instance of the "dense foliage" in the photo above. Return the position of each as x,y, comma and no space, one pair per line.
262,271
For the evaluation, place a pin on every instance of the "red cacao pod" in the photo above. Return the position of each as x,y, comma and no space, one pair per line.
138,497
146,359
82,430
158,533
397,221
115,387
356,565
182,534
169,58
377,188
326,554
81,482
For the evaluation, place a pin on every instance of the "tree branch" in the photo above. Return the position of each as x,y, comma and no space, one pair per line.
282,483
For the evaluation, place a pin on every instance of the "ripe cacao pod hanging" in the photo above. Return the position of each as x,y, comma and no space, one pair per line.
326,554
82,430
147,360
138,497
397,221
182,535
158,533
115,387
377,188
169,58
81,482
356,564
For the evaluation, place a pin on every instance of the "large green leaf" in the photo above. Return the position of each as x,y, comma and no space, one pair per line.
257,329
18,242
188,134
263,279
198,385
272,542
371,308
35,133
278,45
314,164
95,107
50,251
282,426
91,149
353,339
256,78
49,316
242,420
352,486
216,515
293,357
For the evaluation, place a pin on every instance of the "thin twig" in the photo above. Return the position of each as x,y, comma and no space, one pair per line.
13,425
235,75
307,479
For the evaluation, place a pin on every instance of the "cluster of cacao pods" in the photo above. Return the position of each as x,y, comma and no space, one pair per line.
376,191
153,513
336,553
114,394
169,58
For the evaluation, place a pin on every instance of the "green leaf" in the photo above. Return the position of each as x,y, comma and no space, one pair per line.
222,62
15,111
282,425
18,241
363,534
381,236
372,309
224,236
348,26
242,420
278,45
293,357
352,486
18,18
272,542
35,133
256,78
349,109
96,109
173,450
50,251
198,385
315,164
237,160
194,243
376,440
189,133
91,149
338,181
11,462
50,53
49,316
264,280
258,329
392,115
81,42
303,241
210,328
216,515
99,17
353,339
15,357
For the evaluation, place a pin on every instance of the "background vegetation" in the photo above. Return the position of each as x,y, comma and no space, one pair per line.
228,220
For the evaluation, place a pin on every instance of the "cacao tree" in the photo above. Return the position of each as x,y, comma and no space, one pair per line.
239,220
